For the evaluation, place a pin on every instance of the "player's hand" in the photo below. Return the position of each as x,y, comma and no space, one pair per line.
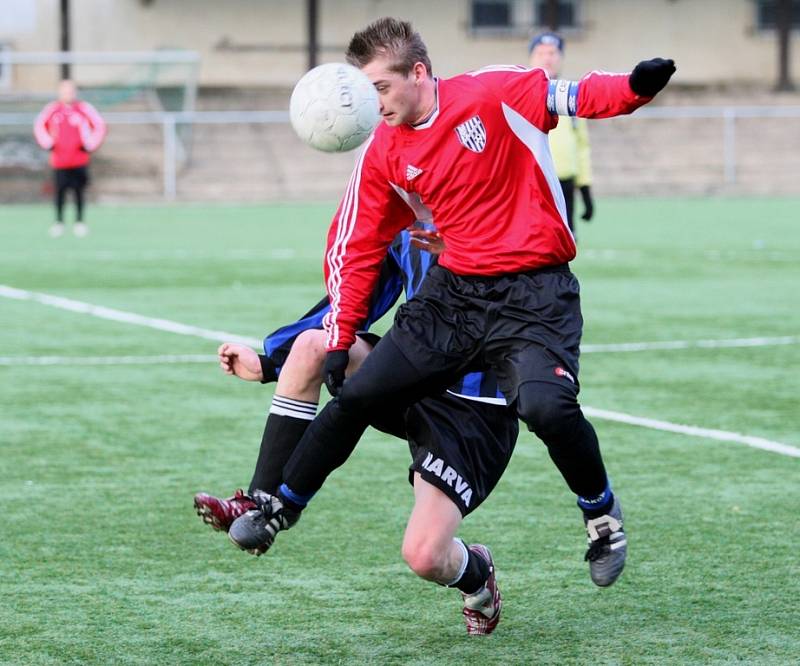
241,361
430,241
588,202
333,372
650,76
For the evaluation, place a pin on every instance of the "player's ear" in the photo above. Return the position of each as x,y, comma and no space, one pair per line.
420,73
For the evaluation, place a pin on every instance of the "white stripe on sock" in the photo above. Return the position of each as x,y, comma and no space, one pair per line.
299,405
464,561
280,411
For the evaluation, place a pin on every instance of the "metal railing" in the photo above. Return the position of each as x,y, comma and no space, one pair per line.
729,116
170,121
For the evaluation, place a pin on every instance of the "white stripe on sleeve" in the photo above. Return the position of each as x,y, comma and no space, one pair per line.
335,255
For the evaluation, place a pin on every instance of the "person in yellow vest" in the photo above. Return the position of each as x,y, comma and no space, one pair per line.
569,141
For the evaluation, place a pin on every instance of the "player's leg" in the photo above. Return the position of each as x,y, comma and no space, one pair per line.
294,406
435,350
387,379
59,190
553,413
460,449
430,343
538,369
429,546
432,551
80,179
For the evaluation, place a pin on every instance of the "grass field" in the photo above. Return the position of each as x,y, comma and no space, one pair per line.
102,559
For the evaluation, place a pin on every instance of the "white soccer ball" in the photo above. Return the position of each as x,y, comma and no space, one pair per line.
334,107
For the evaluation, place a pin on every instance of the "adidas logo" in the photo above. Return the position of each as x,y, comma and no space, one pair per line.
412,172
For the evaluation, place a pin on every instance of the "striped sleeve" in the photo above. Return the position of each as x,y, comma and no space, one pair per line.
369,216
93,131
40,129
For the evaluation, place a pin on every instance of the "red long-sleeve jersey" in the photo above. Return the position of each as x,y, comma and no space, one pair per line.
479,168
70,132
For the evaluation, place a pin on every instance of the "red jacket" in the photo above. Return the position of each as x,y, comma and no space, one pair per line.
70,132
480,169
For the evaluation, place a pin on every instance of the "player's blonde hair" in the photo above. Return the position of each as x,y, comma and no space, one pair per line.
389,37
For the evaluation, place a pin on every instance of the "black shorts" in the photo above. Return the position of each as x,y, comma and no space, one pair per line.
526,327
461,446
75,178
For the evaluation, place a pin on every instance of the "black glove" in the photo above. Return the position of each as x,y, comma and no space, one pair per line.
588,203
333,374
650,76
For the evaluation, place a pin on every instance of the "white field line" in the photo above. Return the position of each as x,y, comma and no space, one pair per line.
275,254
125,317
183,329
691,344
106,360
693,431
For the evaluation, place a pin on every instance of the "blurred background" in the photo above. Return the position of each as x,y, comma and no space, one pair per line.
195,92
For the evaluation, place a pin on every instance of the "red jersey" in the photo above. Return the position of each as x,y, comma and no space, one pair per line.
479,168
70,132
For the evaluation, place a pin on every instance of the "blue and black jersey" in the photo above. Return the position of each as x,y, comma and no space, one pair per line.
402,270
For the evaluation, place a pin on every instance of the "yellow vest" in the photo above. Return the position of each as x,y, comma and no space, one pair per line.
569,144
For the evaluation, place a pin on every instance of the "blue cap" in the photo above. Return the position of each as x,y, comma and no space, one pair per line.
549,38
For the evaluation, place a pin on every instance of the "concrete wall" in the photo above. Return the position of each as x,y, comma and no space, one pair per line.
713,41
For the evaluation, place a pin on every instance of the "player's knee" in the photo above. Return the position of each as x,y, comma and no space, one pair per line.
307,356
423,559
546,408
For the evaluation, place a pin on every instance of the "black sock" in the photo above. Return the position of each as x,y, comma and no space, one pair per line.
475,574
325,446
286,423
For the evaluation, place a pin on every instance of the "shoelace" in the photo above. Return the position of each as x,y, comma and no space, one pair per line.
597,549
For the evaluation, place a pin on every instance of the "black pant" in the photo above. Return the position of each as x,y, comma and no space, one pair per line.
75,179
525,327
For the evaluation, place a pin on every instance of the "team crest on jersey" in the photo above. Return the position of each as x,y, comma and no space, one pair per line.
472,134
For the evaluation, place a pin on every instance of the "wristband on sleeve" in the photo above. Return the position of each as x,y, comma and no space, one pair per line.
268,369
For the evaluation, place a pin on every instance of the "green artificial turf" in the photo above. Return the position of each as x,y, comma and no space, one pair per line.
102,559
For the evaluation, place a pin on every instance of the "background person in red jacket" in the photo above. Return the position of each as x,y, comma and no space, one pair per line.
70,129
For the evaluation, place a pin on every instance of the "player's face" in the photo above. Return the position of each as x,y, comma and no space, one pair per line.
548,57
400,96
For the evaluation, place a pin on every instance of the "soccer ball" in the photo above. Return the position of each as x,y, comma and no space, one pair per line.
334,107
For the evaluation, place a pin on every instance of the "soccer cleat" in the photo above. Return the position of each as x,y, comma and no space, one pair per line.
80,229
482,609
608,546
56,230
255,530
220,513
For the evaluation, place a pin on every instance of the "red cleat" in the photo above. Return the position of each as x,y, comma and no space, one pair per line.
482,609
220,513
